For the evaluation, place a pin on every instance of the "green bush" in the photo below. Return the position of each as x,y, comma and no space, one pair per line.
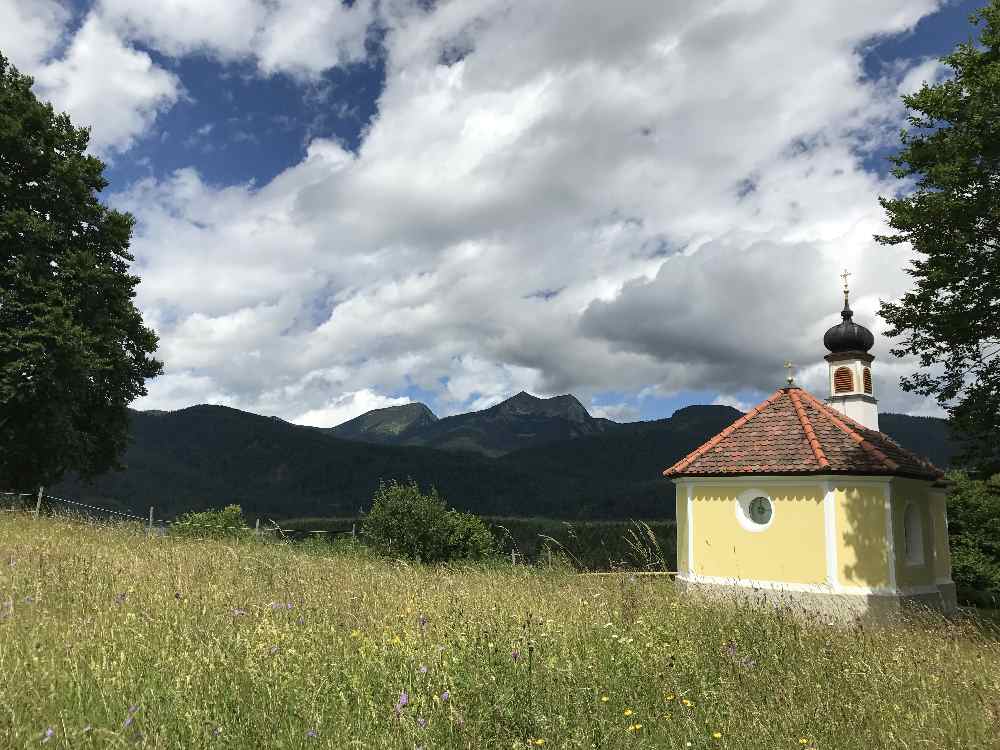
405,522
974,529
226,523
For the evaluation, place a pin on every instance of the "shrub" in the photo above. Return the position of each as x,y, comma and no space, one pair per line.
226,523
404,521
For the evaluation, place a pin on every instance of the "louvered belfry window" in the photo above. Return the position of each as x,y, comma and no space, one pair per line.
868,380
843,380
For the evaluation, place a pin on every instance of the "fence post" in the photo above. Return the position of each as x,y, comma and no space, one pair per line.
353,531
512,560
149,529
38,503
256,529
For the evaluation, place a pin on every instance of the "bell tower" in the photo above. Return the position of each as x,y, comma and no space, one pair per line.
851,387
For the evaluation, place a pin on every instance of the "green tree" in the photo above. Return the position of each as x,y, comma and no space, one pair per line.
73,348
951,318
974,531
406,522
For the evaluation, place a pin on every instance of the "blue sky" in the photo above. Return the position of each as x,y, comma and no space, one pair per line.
342,207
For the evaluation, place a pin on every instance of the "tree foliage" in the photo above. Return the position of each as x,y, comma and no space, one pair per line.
974,530
73,348
406,522
951,318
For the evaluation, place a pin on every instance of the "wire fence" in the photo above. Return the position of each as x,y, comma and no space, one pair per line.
20,502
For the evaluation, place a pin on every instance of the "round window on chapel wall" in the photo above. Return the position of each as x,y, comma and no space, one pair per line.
754,510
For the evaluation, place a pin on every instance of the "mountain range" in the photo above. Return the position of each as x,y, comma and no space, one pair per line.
526,456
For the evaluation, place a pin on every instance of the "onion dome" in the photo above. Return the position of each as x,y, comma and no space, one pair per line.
848,336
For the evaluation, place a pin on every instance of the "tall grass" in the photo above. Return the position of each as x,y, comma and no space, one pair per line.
109,638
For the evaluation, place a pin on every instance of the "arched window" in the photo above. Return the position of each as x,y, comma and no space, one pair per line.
843,380
868,380
913,535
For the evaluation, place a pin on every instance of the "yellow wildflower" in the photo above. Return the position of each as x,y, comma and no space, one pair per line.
604,699
686,702
355,633
670,696
803,741
628,712
717,735
633,727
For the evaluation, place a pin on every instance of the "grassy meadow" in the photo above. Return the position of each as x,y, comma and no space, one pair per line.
109,638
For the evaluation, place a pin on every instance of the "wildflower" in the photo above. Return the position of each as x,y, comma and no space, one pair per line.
238,612
716,735
312,734
355,633
422,669
516,655
403,702
629,712
217,731
301,620
178,596
422,620
275,649
86,729
49,734
604,699
445,696
289,605
670,696
120,598
633,727
28,600
421,722
687,703
803,741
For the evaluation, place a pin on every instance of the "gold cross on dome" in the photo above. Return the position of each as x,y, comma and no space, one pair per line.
791,376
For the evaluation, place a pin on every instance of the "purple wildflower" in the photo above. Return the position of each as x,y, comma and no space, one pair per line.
120,598
516,655
49,734
423,669
301,620
238,612
132,711
403,702
422,620
289,605
421,722
312,734
217,731
445,696
29,599
275,649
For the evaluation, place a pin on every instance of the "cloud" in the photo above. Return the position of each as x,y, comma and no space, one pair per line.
691,194
30,30
103,83
347,406
623,412
725,400
300,37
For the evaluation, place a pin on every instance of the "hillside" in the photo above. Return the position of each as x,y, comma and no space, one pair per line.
115,639
386,425
211,455
520,421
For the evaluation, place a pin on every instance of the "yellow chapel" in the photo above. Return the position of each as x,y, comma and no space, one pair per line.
805,501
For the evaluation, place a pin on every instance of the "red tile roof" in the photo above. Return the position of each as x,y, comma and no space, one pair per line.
793,432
